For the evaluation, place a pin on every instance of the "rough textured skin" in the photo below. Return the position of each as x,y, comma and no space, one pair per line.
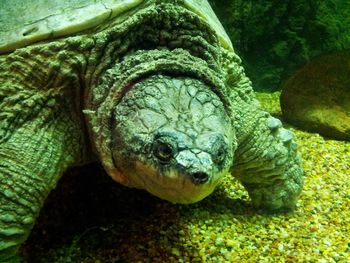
59,99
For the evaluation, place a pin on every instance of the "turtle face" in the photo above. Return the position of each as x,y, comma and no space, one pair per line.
173,138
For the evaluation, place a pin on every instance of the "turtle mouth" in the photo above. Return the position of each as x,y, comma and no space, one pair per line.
171,185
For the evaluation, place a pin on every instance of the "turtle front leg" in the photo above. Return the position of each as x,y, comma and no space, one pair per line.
266,161
32,158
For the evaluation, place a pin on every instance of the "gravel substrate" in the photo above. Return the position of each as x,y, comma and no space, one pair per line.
222,228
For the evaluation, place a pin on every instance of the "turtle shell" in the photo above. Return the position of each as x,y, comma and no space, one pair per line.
26,22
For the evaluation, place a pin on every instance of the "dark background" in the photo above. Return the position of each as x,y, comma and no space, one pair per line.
274,38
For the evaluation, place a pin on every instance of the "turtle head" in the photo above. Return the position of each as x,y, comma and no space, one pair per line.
173,138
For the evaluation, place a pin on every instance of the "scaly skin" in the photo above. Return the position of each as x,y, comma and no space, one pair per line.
266,160
44,89
41,135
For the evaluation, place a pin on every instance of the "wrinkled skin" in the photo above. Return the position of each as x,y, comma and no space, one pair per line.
162,105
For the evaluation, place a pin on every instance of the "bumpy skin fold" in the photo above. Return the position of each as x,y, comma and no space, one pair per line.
31,161
41,135
45,88
266,161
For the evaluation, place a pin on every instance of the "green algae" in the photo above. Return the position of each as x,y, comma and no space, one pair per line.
274,38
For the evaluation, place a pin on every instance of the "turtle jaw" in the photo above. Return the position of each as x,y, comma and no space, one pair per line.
187,176
174,184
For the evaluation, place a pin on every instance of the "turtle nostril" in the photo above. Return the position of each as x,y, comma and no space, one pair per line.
199,177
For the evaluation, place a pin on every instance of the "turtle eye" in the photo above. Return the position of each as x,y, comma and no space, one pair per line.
220,156
163,151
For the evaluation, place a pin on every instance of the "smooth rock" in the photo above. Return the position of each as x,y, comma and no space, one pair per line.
317,97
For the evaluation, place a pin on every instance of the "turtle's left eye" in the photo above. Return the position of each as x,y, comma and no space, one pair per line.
220,155
163,151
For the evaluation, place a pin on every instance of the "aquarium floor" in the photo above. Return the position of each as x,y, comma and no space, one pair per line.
88,218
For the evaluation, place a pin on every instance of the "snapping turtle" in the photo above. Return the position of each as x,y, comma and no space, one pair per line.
153,89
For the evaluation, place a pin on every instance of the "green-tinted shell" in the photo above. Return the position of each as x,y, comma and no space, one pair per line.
26,22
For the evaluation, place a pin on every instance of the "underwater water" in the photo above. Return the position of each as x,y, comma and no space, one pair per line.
91,219
295,52
275,39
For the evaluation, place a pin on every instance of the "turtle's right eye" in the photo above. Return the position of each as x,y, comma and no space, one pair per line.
163,151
